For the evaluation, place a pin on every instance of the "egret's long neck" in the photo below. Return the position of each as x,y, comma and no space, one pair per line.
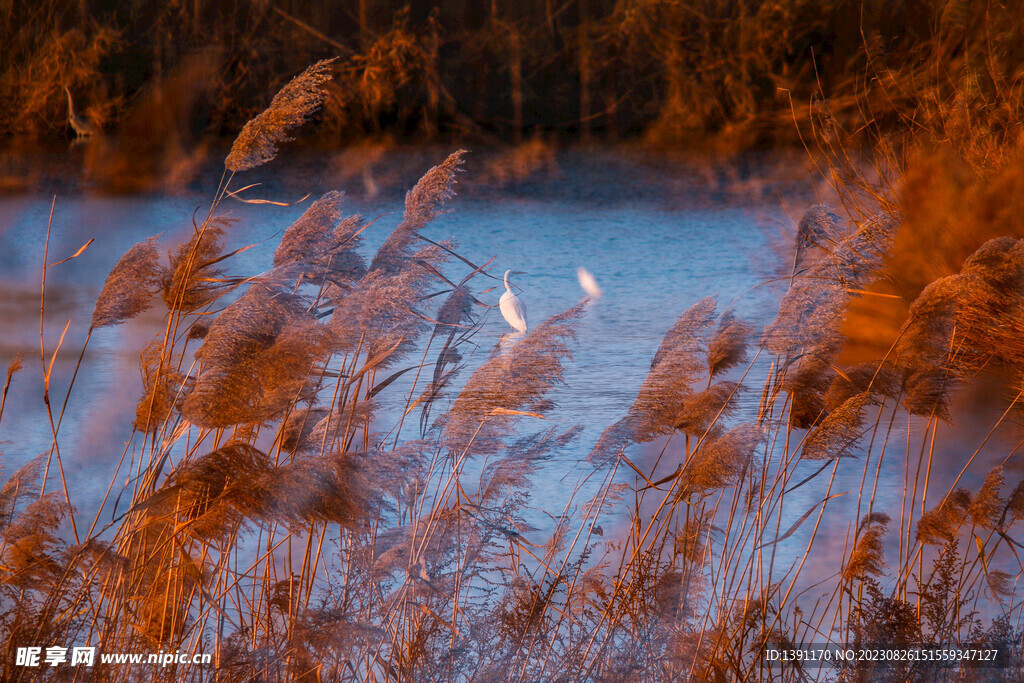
71,105
506,283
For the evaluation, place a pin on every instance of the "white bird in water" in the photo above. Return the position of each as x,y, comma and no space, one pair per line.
512,307
83,127
587,282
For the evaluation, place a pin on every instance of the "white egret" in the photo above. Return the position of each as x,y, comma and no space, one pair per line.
512,307
587,282
83,127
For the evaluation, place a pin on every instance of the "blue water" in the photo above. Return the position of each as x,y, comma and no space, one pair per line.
657,235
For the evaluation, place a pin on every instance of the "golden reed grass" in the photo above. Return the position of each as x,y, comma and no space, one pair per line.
260,513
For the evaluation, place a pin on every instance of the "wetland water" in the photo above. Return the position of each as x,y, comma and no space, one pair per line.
657,236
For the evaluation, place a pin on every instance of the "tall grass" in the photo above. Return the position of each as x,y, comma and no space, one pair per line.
266,513
673,70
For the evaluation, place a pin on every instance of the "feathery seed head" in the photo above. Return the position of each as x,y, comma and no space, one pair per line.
256,359
292,106
130,286
728,348
818,227
329,488
322,245
837,435
987,507
1014,509
187,283
867,558
806,379
883,380
298,426
679,361
940,524
422,204
515,379
456,310
382,312
698,412
721,461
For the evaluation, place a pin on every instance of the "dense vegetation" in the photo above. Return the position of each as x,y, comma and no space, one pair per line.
264,511
669,69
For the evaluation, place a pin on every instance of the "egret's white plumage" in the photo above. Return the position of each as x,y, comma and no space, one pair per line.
512,307
587,282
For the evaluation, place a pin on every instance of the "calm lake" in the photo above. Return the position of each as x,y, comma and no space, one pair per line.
658,234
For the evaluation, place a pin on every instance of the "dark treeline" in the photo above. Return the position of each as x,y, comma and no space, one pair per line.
672,70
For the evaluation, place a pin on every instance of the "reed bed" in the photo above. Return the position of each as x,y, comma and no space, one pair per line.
262,513
672,71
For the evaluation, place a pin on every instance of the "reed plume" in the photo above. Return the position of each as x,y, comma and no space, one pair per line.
31,556
990,308
190,282
807,379
338,424
130,286
292,106
521,459
1014,508
867,558
12,368
197,330
211,496
811,311
807,331
511,381
961,323
926,347
422,204
613,441
699,411
940,524
818,227
162,388
666,398
383,310
728,348
883,379
859,258
22,485
256,358
809,317
679,361
721,461
297,428
321,243
839,432
1000,583
250,325
986,507
455,312
332,488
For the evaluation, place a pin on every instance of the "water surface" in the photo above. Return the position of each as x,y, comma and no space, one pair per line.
657,234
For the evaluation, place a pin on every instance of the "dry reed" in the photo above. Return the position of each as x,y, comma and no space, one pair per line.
292,106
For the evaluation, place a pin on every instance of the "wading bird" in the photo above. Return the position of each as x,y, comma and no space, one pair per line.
588,283
512,307
83,127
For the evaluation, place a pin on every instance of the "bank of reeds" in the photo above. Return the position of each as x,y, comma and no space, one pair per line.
673,70
266,513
